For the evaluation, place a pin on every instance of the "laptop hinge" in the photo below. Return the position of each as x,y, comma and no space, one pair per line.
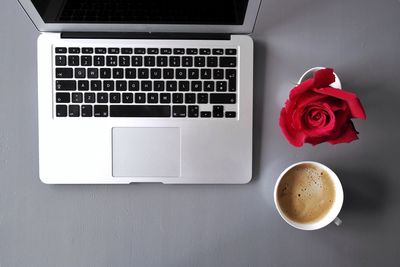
144,35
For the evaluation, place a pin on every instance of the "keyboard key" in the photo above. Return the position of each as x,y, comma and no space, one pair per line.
149,61
183,85
74,50
118,73
199,61
140,50
133,86
179,111
120,85
180,73
218,51
124,61
102,98
126,50
168,73
212,62
165,98
80,73
221,98
230,51
86,111
77,97
130,73
98,61
93,73
61,50
230,114
61,60
137,61
73,60
221,86
205,51
159,86
227,61
87,50
162,61
205,114
95,85
152,98
73,110
155,73
196,86
191,51
62,98
187,61
177,98
83,85
146,86
205,74
61,110
140,98
140,111
108,85
115,98
166,51
112,61
171,85
208,86
90,97
152,51
193,111
127,98
143,73
193,73
218,74
218,111
100,110
179,51
190,98
65,85
231,76
174,61
202,98
100,50
113,50
64,73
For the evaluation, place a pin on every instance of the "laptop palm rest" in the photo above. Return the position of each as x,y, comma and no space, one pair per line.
146,152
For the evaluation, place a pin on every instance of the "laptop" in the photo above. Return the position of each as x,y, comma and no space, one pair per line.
137,91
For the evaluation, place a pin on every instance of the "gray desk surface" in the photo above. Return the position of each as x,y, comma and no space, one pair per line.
231,225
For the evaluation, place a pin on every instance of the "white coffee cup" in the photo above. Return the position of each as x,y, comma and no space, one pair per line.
331,215
309,73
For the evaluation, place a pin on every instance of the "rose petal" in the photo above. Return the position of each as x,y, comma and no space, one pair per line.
348,134
300,89
323,77
324,129
356,108
293,136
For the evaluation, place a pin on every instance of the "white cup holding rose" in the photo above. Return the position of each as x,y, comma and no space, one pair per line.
309,73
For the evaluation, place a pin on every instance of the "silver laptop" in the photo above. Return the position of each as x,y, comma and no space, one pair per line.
144,90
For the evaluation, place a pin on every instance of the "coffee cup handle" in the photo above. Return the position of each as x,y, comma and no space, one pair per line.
337,221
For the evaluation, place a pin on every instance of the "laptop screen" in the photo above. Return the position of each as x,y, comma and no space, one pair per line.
189,12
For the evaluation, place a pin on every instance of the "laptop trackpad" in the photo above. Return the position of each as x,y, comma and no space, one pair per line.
138,152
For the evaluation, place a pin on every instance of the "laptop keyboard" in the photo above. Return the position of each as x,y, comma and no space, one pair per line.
145,82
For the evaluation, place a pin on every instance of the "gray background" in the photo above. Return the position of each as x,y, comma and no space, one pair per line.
230,225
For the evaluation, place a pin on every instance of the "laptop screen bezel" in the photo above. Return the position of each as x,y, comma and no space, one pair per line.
246,28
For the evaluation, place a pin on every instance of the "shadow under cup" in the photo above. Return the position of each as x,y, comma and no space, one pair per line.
330,212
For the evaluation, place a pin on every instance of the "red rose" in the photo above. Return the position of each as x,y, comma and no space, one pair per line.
316,112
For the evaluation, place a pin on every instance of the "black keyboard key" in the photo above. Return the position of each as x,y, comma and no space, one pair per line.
209,86
191,51
180,73
183,86
205,114
108,85
83,85
174,61
61,50
80,73
113,50
87,50
62,98
146,86
227,61
168,73
73,110
99,61
90,97
100,110
155,73
65,85
61,60
190,98
77,97
177,98
95,85
133,85
218,111
218,74
193,111
230,51
152,98
159,85
231,81
140,111
171,85
140,50
179,111
140,98
199,61
162,61
126,50
193,73
118,73
120,85
112,61
179,51
137,61
115,98
130,73
74,50
149,61
196,86
61,110
165,98
127,98
86,111
202,98
205,51
100,50
230,74
218,51
205,74
187,61
166,51
63,73
230,114
222,98
143,73
73,60
124,61
152,51
221,86
102,98
212,62
93,73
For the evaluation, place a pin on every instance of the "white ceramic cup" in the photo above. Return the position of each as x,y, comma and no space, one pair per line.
331,216
308,74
